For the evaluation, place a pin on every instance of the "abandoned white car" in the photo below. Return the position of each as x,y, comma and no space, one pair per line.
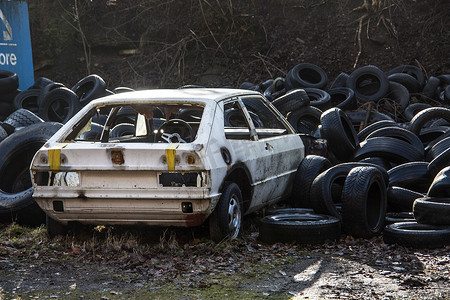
167,158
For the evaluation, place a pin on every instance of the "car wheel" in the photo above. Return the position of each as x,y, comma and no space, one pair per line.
226,219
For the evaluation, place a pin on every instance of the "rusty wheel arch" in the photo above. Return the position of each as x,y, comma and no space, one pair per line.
240,175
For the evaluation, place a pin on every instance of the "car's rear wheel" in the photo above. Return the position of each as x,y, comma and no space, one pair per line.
226,220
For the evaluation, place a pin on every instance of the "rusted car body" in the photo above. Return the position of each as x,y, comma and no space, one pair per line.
169,166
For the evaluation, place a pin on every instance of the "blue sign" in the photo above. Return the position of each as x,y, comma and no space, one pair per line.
15,42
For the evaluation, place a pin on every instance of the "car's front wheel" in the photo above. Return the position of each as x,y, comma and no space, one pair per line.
226,219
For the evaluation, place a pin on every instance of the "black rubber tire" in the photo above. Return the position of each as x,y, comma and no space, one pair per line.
440,187
401,199
3,134
412,109
362,135
430,90
306,75
432,143
27,99
439,163
89,88
46,89
291,101
394,150
322,198
8,98
364,202
40,83
337,129
93,134
438,148
415,235
399,94
431,134
447,94
422,117
379,161
54,228
399,133
408,81
432,211
284,211
413,175
121,130
9,81
318,98
397,217
414,71
20,118
310,167
219,221
233,117
59,105
305,120
359,116
369,83
343,98
16,153
340,81
299,228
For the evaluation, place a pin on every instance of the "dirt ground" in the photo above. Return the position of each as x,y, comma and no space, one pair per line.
150,43
143,263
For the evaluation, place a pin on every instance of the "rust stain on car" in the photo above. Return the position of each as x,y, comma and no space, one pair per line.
117,157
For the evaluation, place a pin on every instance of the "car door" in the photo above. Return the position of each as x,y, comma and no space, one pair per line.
270,150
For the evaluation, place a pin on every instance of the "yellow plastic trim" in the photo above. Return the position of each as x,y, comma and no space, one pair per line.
54,156
170,156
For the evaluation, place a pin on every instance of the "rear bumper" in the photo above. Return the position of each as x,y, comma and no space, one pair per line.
155,207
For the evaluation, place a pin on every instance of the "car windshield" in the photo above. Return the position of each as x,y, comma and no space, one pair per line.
151,123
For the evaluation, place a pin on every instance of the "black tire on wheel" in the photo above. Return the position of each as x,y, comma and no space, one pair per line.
9,81
89,88
291,101
364,202
407,81
343,98
400,199
369,83
422,117
415,235
337,129
305,120
412,109
432,211
27,99
54,228
16,153
399,133
310,167
226,219
440,187
20,118
59,105
318,98
397,217
306,75
414,71
392,149
299,228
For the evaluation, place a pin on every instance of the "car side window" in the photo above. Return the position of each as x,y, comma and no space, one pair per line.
235,124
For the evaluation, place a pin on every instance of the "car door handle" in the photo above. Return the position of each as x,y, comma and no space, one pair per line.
268,147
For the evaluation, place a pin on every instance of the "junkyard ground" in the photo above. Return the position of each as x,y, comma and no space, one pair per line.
144,263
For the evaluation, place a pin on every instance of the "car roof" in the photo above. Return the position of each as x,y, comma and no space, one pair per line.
202,95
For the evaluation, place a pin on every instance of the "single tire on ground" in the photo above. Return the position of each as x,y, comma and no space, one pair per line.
299,228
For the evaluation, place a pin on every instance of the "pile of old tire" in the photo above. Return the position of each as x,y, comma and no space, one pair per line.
27,120
407,149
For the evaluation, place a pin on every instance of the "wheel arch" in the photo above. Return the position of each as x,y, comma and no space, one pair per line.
240,175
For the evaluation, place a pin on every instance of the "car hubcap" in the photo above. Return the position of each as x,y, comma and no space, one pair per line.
234,217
